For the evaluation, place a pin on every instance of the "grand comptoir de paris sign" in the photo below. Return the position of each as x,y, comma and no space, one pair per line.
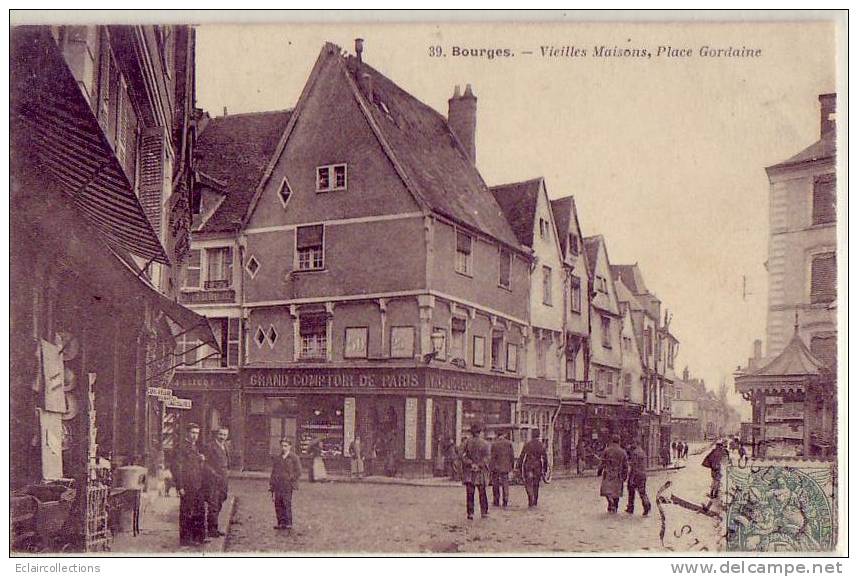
419,380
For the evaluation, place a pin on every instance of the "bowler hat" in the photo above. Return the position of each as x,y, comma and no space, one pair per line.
476,428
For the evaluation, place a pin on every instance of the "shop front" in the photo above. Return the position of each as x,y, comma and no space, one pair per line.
214,402
405,417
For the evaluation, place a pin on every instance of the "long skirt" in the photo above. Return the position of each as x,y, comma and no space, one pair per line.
320,473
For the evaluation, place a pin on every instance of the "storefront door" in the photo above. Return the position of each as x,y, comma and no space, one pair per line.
279,427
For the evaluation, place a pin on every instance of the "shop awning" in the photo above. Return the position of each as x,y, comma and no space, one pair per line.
64,133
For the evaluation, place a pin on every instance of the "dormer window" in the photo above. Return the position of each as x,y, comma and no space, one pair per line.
331,177
284,192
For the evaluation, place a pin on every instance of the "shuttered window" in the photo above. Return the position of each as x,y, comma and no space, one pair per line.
152,176
824,199
823,278
505,268
463,253
192,269
310,247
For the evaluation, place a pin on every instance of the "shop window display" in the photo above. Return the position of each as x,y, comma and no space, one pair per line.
322,430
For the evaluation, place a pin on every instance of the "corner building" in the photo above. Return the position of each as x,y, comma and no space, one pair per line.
381,291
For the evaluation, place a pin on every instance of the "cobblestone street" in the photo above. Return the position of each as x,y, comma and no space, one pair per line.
355,517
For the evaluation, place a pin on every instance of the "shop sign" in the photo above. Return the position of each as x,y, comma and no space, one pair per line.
405,380
448,381
333,379
177,403
582,386
162,394
203,381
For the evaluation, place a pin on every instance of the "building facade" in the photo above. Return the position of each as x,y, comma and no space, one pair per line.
793,389
100,174
342,332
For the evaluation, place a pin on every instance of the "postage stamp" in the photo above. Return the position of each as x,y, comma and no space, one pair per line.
781,507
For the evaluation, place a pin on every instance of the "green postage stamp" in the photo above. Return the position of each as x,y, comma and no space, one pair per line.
781,507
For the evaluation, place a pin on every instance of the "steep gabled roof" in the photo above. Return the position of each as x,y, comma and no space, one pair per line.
421,146
431,156
624,295
631,276
591,250
518,202
562,208
233,152
822,149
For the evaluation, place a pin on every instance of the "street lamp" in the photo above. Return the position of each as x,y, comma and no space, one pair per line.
437,345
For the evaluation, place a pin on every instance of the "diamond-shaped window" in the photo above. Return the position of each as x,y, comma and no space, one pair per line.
253,266
285,192
272,336
260,336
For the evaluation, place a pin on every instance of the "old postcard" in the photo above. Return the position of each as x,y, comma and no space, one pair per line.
547,287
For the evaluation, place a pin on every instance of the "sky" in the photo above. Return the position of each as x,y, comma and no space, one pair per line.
665,155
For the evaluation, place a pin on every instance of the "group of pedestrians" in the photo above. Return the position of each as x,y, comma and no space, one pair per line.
485,463
201,480
680,449
619,467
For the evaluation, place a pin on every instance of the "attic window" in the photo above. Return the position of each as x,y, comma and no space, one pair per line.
331,177
252,266
284,192
543,228
573,243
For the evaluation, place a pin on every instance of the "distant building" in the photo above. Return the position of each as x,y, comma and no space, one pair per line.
793,389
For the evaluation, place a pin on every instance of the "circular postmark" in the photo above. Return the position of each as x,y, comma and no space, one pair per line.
778,509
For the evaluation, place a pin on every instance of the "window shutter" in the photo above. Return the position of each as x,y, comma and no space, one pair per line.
309,236
152,175
313,324
824,199
823,272
463,243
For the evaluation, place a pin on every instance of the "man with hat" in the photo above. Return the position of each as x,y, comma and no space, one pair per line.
188,476
533,463
613,470
502,462
637,478
476,454
713,462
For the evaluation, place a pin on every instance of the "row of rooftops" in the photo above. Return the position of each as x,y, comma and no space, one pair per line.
233,154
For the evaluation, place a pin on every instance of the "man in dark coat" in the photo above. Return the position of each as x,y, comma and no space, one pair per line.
637,478
502,462
533,463
188,476
215,480
713,461
476,455
285,472
613,470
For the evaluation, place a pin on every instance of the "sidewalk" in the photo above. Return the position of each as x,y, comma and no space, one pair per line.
429,481
159,530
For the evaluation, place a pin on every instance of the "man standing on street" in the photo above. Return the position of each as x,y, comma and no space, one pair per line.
502,462
533,462
476,455
613,470
285,472
714,461
637,478
215,480
188,476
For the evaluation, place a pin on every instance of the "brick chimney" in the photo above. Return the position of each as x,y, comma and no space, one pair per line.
462,118
827,109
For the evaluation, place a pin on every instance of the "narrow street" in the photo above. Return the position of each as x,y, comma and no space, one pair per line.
357,517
